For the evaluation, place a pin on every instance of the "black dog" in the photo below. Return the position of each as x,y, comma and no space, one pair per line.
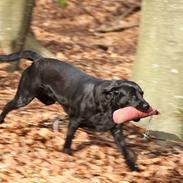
88,101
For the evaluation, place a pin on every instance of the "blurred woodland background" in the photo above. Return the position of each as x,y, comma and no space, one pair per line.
100,37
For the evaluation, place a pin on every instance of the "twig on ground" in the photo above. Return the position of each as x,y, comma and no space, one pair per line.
79,4
133,8
115,26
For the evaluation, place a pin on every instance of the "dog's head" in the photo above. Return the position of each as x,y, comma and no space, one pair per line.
119,94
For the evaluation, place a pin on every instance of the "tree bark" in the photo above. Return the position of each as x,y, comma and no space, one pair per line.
158,66
24,29
35,45
11,17
15,21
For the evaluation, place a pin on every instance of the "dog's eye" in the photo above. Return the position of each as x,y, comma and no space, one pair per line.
133,97
116,92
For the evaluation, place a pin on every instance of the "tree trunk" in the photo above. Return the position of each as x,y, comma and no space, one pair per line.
23,31
15,21
14,24
35,45
159,65
11,14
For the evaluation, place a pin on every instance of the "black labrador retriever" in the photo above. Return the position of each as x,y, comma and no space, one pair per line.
88,101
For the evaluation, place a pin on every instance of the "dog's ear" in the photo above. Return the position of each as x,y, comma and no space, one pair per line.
110,87
111,90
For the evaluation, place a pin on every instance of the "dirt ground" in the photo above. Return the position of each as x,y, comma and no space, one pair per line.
97,37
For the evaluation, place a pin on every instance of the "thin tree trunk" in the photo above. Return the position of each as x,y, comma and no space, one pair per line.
19,42
159,64
25,25
15,18
11,17
35,45
15,21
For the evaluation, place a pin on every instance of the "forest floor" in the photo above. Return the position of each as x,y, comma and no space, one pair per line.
97,37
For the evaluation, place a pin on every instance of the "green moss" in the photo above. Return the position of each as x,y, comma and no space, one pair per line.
62,3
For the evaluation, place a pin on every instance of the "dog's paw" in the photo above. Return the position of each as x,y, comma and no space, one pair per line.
1,119
134,168
67,151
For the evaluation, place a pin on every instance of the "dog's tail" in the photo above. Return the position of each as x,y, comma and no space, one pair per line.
26,54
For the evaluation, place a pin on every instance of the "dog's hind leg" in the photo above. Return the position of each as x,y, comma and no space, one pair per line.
16,103
23,96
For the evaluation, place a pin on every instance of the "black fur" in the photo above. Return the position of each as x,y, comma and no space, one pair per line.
88,101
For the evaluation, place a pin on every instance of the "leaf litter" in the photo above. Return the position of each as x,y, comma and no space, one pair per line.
30,144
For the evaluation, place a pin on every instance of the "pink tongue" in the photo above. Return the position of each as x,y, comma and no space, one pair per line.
131,113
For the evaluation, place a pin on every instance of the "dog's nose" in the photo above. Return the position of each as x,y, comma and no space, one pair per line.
146,106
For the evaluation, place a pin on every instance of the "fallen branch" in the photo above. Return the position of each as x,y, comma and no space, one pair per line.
117,28
129,11
85,10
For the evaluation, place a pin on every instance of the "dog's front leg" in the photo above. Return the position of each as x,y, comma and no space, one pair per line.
73,126
119,139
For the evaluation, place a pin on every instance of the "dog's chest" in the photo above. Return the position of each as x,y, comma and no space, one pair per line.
98,122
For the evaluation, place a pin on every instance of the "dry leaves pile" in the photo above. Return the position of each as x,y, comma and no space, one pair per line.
31,145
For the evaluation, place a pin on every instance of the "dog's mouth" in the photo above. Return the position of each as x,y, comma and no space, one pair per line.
137,120
147,110
144,107
130,113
